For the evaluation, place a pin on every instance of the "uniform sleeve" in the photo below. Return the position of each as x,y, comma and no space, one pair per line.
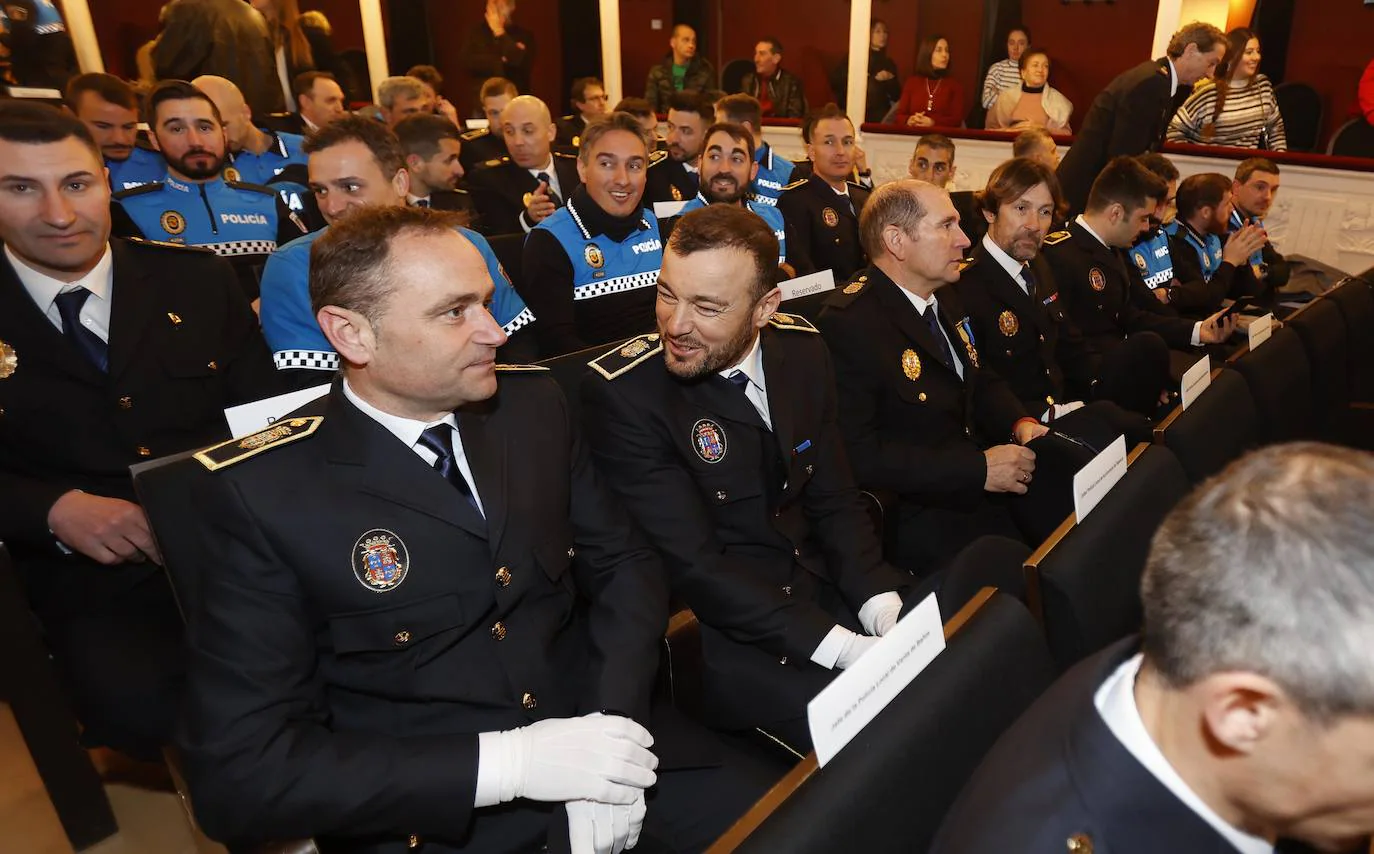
246,364
1137,112
797,222
548,290
287,319
1191,294
24,506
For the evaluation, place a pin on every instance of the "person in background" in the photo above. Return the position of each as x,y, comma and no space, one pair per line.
931,98
430,76
1253,191
401,97
40,49
680,71
1150,253
822,211
644,114
498,47
1006,73
780,92
487,143
884,88
589,102
226,38
1037,144
298,47
932,160
319,100
1236,107
432,147
109,108
676,178
1206,259
513,194
1033,103
775,171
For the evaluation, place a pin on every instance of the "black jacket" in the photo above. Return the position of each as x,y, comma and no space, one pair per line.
824,230
786,90
669,180
510,55
498,188
658,87
227,38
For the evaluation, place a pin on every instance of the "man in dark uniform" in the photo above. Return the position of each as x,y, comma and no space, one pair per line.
433,147
416,658
1094,283
1242,720
515,193
39,46
677,177
1130,116
589,102
1014,307
487,143
719,432
111,352
823,210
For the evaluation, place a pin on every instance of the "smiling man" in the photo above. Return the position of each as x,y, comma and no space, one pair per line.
676,177
823,210
517,191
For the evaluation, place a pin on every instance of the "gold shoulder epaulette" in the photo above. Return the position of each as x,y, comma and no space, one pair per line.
234,451
1055,237
516,369
657,156
150,187
796,322
795,184
496,161
613,363
162,244
965,263
565,155
469,136
856,285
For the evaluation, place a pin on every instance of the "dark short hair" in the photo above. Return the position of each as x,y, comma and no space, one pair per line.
635,106
1013,178
350,262
427,74
924,68
730,227
1205,36
1159,164
689,101
33,123
420,134
815,117
742,108
602,125
582,84
1020,28
1252,165
1030,139
493,87
680,25
1123,181
106,87
1201,191
894,203
737,132
176,90
379,139
938,141
773,44
304,83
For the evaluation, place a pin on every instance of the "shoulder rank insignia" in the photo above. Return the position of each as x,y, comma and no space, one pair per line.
248,185
780,320
966,263
496,161
469,136
1056,237
657,157
565,155
163,244
235,451
140,190
517,369
855,286
616,362
795,184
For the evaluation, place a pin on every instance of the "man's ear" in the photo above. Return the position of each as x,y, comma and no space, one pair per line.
1241,709
401,181
753,172
349,332
767,306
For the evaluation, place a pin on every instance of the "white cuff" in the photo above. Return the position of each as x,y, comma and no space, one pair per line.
488,770
829,651
879,614
525,223
1197,334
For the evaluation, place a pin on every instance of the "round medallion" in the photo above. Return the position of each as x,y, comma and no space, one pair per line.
232,174
173,222
380,560
708,440
1008,323
594,257
830,218
1096,279
9,361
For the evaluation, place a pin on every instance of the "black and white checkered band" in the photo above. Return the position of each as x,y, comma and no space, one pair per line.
524,318
592,290
312,360
242,247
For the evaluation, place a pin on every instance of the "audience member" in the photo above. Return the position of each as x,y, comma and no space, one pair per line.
884,88
299,46
676,177
780,92
1253,191
1236,107
34,38
591,266
319,100
483,144
109,109
823,210
931,97
1033,103
432,146
515,193
111,353
1364,94
1204,266
932,160
1006,73
1154,262
589,102
1242,718
434,92
775,171
680,71
402,97
498,47
1130,116
226,38
1037,144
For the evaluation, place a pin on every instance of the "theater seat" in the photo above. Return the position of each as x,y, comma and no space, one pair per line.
890,787
1084,582
1301,108
732,76
1356,302
1320,326
1219,427
1355,138
1280,380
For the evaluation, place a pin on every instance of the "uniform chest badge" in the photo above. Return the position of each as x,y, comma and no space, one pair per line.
1140,261
830,218
1096,279
708,440
637,347
173,222
677,194
967,334
9,361
1008,323
232,174
380,560
911,365
594,257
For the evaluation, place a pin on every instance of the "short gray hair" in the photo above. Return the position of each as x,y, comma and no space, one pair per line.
1269,568
397,87
895,203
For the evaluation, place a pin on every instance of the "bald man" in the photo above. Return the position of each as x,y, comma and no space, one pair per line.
517,191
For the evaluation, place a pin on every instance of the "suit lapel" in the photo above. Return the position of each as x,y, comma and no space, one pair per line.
485,448
27,329
720,397
135,302
781,407
1003,286
907,319
567,176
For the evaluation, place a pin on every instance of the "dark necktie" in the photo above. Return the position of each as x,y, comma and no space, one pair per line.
544,176
422,203
439,439
741,380
775,470
1029,278
69,305
932,319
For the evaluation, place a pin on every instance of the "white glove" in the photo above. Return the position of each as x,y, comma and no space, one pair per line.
854,647
879,614
595,828
595,757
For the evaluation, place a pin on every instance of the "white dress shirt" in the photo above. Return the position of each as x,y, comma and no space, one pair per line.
1173,77
43,290
408,430
554,187
1197,327
922,306
1115,702
1014,268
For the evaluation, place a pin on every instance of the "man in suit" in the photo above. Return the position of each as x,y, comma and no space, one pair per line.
719,432
677,177
420,660
516,192
320,100
487,143
1131,114
823,210
589,102
1242,720
111,352
432,147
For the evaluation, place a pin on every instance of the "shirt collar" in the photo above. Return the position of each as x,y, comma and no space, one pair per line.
921,303
187,186
1173,77
411,199
408,430
1115,702
751,364
1010,264
1083,223
547,168
691,167
43,289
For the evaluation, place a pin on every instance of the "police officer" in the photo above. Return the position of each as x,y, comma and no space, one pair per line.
515,193
1205,268
432,147
775,171
112,352
823,211
589,102
487,143
356,163
109,109
1151,258
195,205
1253,192
676,177
592,266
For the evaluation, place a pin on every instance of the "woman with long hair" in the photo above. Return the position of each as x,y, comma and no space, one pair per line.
931,98
1237,106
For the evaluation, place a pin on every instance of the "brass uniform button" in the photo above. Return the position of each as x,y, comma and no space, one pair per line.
572,552
782,660
498,631
721,496
401,638
144,452
787,591
212,365
529,701
126,402
503,577
1049,398
414,841
1080,843
809,469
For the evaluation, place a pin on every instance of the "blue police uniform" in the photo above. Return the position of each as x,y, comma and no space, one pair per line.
289,325
1208,247
282,167
775,172
1239,221
1152,258
143,166
768,213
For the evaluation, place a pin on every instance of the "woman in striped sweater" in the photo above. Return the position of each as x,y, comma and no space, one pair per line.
1236,107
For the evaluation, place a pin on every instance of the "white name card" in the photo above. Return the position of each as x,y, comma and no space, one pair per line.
1196,379
477,124
35,92
664,210
856,696
1260,330
1092,482
804,286
249,418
